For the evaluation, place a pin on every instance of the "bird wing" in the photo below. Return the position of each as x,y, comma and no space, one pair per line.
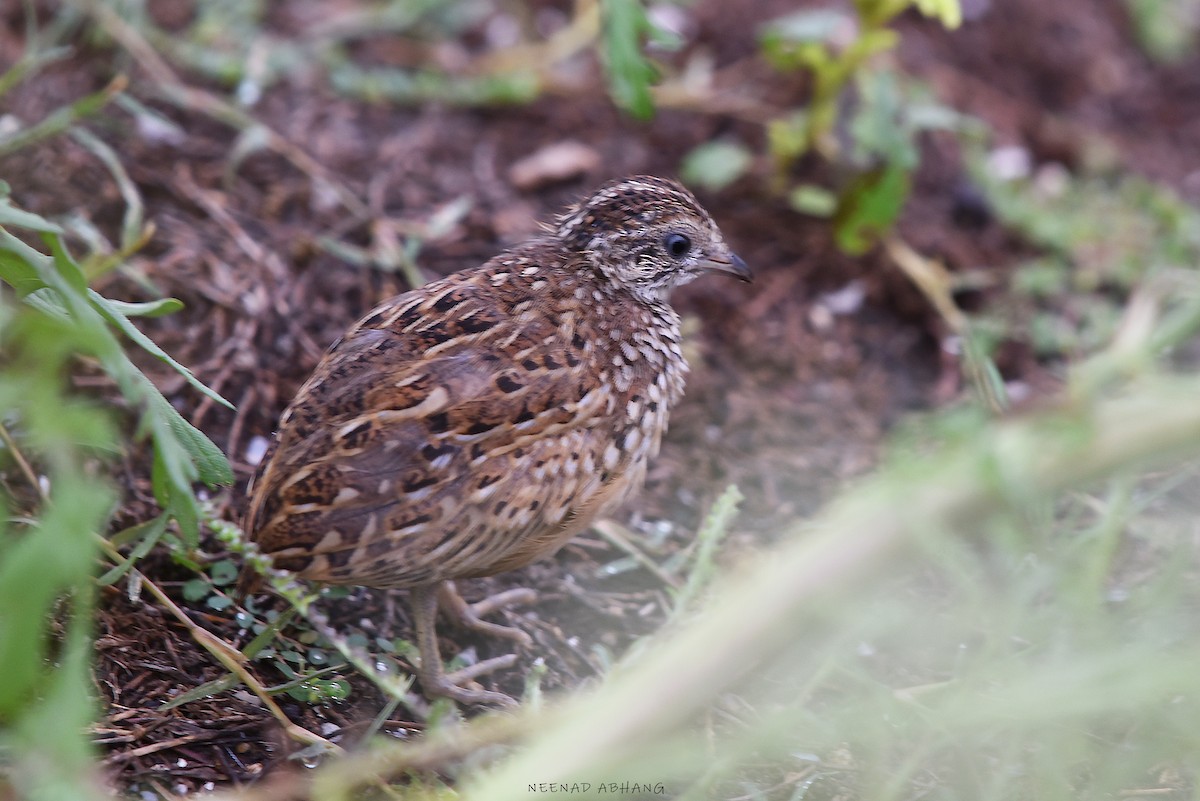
434,438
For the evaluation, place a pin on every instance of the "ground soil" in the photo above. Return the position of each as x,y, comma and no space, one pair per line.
786,400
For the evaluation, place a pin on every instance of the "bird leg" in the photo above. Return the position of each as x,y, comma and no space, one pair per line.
432,673
470,616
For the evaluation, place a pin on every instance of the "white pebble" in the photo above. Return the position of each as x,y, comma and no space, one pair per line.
256,449
1010,163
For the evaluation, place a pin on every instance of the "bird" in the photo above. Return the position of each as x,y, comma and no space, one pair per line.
474,425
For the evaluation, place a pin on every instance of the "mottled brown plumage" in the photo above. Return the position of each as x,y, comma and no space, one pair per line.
476,424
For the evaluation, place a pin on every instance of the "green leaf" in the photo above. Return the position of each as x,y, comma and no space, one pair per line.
114,314
48,302
219,602
205,690
17,218
34,570
154,308
869,208
61,119
929,115
64,760
948,12
788,136
712,532
223,573
195,589
134,532
715,165
64,262
153,531
806,39
172,474
629,73
182,454
814,25
881,128
159,480
813,200
18,264
211,465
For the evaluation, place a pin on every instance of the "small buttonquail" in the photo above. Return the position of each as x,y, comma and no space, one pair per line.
476,424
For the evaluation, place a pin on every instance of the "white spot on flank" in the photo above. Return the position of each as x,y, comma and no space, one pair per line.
611,457
331,540
485,493
346,494
624,379
419,495
407,529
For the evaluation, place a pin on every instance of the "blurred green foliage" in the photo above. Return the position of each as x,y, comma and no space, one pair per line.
1169,30
715,165
47,559
55,285
626,28
62,444
862,117
1102,236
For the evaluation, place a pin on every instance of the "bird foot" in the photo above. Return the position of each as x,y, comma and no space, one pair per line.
435,682
470,616
443,685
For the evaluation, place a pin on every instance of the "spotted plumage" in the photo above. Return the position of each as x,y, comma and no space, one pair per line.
476,424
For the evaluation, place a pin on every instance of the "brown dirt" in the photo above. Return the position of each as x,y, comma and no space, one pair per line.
785,401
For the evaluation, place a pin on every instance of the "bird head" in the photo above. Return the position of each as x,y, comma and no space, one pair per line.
647,235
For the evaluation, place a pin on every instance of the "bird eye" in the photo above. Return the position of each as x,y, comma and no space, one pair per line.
677,245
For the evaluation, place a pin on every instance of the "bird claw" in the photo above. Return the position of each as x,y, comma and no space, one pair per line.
470,616
450,685
445,688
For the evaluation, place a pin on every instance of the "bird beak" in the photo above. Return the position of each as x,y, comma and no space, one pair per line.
732,264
